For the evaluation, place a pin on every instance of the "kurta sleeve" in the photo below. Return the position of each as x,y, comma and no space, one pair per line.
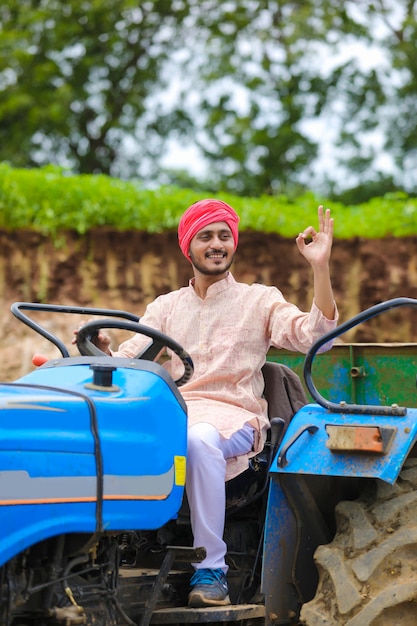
293,329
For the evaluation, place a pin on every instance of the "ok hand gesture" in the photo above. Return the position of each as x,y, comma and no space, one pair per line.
318,250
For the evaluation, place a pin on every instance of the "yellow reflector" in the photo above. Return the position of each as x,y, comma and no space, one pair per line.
179,465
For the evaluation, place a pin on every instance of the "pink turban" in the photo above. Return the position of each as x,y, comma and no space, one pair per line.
202,213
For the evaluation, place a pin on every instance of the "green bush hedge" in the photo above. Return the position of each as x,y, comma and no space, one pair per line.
51,200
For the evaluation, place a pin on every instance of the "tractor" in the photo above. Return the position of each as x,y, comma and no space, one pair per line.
94,520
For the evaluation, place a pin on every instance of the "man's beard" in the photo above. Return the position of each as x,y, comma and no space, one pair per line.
210,272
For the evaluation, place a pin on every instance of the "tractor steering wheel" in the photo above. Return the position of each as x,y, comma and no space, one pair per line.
159,341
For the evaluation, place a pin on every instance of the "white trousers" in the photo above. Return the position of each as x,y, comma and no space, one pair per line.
205,485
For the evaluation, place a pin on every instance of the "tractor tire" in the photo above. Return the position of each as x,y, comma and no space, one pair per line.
368,573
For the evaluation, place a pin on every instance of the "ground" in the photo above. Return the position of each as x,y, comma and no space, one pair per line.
117,270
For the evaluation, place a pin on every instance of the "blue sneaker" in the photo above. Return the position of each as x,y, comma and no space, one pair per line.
208,588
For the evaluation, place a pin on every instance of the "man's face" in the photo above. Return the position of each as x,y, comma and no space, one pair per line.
212,249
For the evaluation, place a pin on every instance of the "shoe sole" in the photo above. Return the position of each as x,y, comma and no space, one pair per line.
198,601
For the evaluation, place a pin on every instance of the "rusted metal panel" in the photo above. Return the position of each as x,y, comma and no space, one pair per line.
369,439
361,373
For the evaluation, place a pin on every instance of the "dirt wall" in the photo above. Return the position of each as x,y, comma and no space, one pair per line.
127,270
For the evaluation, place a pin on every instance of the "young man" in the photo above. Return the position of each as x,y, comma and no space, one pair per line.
227,328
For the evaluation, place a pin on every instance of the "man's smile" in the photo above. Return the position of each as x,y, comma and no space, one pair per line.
216,255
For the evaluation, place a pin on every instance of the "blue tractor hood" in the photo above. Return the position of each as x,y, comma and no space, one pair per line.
86,453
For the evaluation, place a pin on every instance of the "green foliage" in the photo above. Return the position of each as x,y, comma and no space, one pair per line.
105,86
51,200
75,76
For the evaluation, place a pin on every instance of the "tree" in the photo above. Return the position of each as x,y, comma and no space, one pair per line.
75,78
376,100
248,92
255,87
273,79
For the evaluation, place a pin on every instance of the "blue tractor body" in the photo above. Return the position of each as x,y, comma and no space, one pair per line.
79,458
306,447
308,479
331,454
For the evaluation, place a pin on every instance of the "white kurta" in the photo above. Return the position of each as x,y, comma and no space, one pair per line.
228,335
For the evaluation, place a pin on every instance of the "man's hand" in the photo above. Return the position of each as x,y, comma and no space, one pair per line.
318,250
102,340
